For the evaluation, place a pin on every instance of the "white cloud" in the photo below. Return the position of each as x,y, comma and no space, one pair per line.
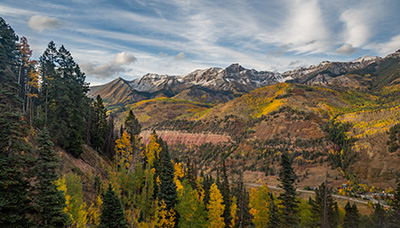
357,30
124,58
346,49
40,23
304,28
181,55
109,69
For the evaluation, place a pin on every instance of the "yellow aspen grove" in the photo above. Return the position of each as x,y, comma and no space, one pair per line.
215,208
152,150
123,150
260,204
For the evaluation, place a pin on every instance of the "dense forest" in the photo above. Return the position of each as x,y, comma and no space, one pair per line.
44,110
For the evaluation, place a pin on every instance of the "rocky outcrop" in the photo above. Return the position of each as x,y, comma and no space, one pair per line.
177,137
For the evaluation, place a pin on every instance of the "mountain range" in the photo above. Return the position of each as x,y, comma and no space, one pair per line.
248,117
214,85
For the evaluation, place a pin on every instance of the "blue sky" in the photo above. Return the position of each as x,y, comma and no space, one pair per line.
130,38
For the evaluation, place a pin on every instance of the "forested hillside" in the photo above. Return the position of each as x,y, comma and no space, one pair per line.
68,161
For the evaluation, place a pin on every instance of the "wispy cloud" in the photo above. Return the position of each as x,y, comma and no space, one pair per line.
264,35
385,48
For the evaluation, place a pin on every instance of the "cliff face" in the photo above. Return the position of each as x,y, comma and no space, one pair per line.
178,137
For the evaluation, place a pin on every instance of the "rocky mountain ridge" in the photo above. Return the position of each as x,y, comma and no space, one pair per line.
214,85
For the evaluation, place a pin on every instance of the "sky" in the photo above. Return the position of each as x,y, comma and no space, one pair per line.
129,38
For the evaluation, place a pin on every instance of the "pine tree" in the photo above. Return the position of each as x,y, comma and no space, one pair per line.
379,217
215,208
190,175
111,136
133,128
325,210
99,124
288,202
167,192
226,195
274,220
112,214
352,217
64,98
132,125
243,211
207,182
49,201
14,187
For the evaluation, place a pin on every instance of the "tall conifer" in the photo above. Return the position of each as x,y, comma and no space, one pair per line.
49,201
112,214
167,191
288,202
14,200
352,217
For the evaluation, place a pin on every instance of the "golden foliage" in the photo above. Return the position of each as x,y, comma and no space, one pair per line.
166,218
153,149
123,150
260,204
215,208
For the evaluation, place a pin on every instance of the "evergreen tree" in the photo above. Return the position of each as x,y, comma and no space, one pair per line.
243,211
167,191
99,124
274,220
288,202
132,125
49,201
352,217
111,136
206,185
379,217
10,103
226,195
112,214
133,128
324,209
64,98
190,174
14,187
